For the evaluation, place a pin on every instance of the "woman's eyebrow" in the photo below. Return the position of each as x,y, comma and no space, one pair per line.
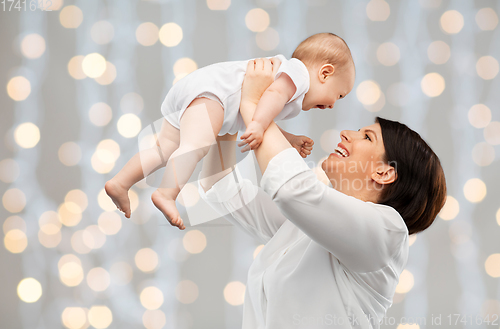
371,131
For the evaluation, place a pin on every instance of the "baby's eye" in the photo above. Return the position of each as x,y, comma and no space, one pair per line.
341,96
368,137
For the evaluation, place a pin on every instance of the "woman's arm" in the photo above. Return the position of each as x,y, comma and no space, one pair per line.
361,235
238,200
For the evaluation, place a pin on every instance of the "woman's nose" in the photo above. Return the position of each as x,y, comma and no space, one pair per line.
345,135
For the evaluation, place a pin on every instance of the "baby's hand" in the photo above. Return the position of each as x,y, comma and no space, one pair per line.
302,144
252,136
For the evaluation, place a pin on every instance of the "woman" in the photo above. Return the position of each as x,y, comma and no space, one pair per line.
333,256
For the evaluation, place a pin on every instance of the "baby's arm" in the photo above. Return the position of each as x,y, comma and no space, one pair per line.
270,104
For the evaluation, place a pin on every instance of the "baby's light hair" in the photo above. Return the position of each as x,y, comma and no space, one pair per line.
324,48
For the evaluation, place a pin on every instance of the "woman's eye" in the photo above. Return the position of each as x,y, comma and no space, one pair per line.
368,137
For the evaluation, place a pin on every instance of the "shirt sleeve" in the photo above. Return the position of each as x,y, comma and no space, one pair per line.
362,235
297,71
245,205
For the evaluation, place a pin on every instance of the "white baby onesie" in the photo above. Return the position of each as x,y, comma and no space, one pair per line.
222,82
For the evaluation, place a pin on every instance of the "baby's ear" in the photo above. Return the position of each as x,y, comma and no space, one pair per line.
326,71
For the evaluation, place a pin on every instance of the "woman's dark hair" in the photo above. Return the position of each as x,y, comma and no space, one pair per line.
419,191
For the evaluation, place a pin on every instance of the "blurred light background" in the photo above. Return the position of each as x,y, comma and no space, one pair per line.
80,82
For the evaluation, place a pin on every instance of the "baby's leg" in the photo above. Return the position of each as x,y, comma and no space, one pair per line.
200,125
141,165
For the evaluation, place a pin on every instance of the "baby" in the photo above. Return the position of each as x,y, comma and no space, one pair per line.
320,72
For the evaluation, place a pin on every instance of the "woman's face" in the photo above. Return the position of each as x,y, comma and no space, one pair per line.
360,164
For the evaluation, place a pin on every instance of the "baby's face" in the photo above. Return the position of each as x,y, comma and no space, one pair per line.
324,92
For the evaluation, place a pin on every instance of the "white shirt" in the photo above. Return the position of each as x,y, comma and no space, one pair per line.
222,82
329,261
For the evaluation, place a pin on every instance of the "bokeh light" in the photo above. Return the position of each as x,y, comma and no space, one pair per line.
18,88
368,92
69,154
100,114
74,317
108,76
71,17
432,84
184,66
492,265
29,290
186,292
151,298
93,237
194,241
474,190
147,34
27,135
452,22
257,250
378,10
98,279
257,20
78,244
14,223
479,115
105,201
406,282
218,5
14,200
451,208
33,46
154,319
69,214
487,19
388,54
487,67
109,222
483,154
105,156
50,229
439,52
70,270
234,293
100,317
129,125
75,68
267,40
492,133
102,32
146,260
15,241
94,65
170,34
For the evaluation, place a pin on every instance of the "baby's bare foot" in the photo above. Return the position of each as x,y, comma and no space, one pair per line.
119,195
167,206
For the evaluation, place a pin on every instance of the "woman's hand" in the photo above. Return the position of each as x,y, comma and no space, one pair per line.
260,75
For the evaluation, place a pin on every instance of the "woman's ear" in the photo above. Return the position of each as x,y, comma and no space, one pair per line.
384,174
325,72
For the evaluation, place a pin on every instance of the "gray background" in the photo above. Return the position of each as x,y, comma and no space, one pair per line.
446,282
